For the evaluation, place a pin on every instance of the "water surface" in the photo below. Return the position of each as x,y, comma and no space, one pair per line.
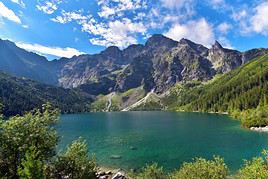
167,138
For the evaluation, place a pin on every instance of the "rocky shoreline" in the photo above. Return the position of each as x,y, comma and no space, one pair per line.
260,129
105,173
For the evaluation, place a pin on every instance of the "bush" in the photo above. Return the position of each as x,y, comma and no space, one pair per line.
31,167
28,149
20,133
202,169
75,162
152,172
256,168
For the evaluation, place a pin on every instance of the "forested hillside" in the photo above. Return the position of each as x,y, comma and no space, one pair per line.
19,95
237,92
241,89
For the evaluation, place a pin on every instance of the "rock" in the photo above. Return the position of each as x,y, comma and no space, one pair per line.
260,129
101,173
115,157
133,148
108,172
119,175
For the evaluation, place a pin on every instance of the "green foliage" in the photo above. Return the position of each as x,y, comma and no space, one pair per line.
31,166
256,168
202,169
243,89
253,117
19,95
75,162
27,149
20,133
152,172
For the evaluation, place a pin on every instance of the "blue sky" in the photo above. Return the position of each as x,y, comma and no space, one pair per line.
57,28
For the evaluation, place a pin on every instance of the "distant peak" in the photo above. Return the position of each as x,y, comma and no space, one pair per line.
217,45
185,41
159,39
111,49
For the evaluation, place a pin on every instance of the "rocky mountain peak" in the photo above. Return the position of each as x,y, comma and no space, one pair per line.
196,47
217,46
158,41
112,51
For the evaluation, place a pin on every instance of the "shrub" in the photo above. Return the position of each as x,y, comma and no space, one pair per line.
202,169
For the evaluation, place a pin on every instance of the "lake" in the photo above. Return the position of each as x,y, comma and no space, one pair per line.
168,138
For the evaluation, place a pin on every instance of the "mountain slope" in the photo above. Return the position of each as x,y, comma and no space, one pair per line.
157,65
240,89
21,63
20,94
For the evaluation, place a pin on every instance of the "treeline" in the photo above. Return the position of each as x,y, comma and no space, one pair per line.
28,150
242,89
19,95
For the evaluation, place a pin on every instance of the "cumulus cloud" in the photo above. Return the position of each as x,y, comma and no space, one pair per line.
70,16
46,50
48,7
199,31
259,21
118,33
7,13
117,7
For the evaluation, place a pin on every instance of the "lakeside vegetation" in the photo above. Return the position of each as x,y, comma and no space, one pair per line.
28,150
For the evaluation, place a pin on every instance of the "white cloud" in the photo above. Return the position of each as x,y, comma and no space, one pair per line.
239,15
199,31
118,33
49,7
70,16
46,50
7,13
117,7
19,2
259,21
224,27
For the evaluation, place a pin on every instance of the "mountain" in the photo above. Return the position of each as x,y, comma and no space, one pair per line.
20,94
241,89
242,93
157,65
19,62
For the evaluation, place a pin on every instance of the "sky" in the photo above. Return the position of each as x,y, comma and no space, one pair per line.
63,28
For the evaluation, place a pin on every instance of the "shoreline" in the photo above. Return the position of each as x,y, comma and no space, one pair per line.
259,129
111,173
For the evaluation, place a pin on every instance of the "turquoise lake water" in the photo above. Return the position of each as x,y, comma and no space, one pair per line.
168,138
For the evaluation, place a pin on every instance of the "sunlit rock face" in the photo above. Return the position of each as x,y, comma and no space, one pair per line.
157,65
